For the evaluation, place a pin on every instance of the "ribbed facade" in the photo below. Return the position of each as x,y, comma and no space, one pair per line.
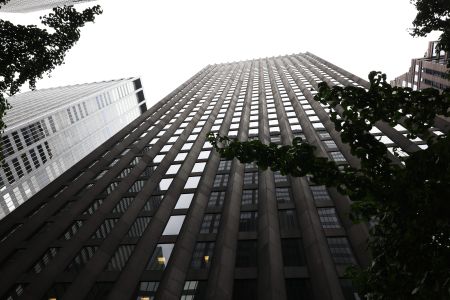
50,130
24,6
427,72
155,213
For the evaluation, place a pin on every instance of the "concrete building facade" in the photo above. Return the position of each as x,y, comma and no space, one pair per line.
50,130
24,6
427,72
155,213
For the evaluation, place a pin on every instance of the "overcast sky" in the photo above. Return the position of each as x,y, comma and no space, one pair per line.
166,42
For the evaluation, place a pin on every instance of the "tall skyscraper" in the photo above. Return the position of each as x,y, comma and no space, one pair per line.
427,72
24,6
50,130
155,213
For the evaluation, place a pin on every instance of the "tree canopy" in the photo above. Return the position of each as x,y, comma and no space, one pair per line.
407,203
29,52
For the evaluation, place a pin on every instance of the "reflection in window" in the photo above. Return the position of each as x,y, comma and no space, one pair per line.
210,223
202,256
165,183
283,195
288,220
248,221
198,167
181,157
192,182
160,257
340,250
173,169
319,192
173,227
221,180
204,154
194,290
147,290
216,199
251,178
328,217
184,201
249,197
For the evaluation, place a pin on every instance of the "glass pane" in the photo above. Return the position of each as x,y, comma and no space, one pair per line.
184,201
173,227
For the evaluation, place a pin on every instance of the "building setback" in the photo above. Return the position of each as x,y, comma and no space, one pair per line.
24,6
50,130
427,72
155,213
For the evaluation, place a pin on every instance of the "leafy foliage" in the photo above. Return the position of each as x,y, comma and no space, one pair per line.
28,52
408,204
433,15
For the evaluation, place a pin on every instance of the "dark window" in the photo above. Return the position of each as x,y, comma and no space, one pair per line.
122,205
328,217
17,167
52,124
153,203
288,220
93,207
216,199
340,250
137,84
201,258
8,173
120,258
221,180
293,254
248,221
100,290
194,290
210,223
251,178
42,153
349,290
245,289
26,162
50,154
70,232
7,148
140,96
44,260
104,229
224,165
137,186
249,197
319,192
138,227
147,289
298,289
17,140
85,254
279,178
246,254
34,158
283,195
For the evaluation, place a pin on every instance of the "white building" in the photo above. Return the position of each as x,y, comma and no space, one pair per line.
24,6
50,130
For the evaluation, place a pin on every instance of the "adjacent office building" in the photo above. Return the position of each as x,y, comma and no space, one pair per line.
427,72
50,130
24,6
155,213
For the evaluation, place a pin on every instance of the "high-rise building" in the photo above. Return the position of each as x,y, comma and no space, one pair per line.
427,72
50,130
155,213
24,6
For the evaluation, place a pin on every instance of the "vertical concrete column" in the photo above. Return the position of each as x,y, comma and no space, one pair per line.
271,283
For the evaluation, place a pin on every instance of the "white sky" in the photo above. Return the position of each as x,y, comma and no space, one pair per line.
166,42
